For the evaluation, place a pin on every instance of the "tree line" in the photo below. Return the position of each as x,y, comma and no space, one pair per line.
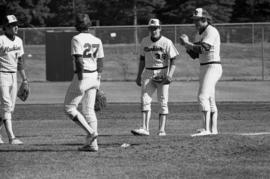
56,13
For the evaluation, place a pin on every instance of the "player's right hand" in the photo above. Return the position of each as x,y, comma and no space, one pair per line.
183,39
139,81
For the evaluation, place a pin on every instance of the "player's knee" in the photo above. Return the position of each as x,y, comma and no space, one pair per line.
89,112
71,112
204,102
146,107
90,117
93,124
163,108
146,103
6,116
213,106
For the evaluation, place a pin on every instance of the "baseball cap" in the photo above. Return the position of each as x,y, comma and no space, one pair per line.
154,23
10,19
200,13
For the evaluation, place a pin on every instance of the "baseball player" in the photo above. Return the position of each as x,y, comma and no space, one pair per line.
156,68
87,53
11,61
207,49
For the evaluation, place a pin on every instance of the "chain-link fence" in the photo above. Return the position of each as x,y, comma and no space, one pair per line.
245,50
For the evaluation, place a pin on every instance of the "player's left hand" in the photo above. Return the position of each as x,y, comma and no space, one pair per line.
99,76
24,91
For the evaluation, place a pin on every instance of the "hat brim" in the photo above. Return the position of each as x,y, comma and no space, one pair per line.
12,24
197,17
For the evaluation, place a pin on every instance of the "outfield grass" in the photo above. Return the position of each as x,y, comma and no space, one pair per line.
51,142
240,62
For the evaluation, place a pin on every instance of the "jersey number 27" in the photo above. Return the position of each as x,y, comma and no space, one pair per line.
90,50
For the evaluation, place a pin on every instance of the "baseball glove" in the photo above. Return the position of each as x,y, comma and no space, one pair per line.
101,100
23,91
192,54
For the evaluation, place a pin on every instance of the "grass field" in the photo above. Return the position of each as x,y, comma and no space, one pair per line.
240,62
241,150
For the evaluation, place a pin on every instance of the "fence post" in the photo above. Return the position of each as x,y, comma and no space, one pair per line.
24,37
253,35
262,52
175,34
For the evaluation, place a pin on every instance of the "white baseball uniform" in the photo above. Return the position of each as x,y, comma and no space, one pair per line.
157,54
90,47
210,68
10,51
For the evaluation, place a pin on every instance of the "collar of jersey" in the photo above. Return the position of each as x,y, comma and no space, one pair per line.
12,39
201,31
155,39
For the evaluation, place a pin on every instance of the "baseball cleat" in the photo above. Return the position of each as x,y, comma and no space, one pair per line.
140,132
162,133
15,141
202,133
214,132
88,148
200,130
91,138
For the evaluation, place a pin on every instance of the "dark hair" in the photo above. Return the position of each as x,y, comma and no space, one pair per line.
83,22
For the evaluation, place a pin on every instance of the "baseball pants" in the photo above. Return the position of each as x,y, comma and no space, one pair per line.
82,91
209,76
149,87
8,93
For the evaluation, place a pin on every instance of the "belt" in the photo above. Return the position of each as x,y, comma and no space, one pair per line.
87,71
208,63
7,71
156,68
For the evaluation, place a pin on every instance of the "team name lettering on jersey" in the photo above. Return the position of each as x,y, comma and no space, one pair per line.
9,49
154,49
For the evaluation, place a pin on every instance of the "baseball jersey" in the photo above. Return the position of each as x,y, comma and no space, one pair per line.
10,50
157,53
210,36
90,47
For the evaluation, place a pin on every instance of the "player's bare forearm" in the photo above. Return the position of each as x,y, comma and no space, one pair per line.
140,70
23,75
171,72
189,45
99,65
141,66
79,67
171,67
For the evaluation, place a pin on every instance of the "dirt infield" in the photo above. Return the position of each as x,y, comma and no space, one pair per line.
51,142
